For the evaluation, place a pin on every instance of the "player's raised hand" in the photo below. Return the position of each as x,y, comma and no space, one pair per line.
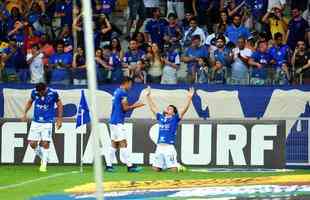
148,91
58,123
191,92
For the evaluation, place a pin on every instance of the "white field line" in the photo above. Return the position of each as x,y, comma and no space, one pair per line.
36,180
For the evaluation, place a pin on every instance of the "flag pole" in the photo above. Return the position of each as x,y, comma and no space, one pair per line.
92,86
82,144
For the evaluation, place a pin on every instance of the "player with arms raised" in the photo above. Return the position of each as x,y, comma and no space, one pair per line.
165,154
40,133
120,106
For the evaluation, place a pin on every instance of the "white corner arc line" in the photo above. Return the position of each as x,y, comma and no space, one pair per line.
37,180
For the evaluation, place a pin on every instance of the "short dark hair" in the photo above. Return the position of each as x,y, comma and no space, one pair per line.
175,110
278,35
126,79
172,15
41,87
35,46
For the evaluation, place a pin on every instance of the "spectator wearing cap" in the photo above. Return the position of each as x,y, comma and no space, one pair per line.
281,54
177,7
278,3
296,29
155,28
301,63
193,30
239,67
173,32
36,66
237,30
220,61
260,61
276,21
171,60
193,56
79,67
59,65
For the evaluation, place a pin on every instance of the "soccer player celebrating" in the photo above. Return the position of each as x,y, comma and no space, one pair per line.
40,133
166,155
120,106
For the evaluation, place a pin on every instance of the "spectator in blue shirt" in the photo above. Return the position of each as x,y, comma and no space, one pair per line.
260,61
64,10
281,54
59,63
15,65
296,29
220,61
237,30
173,32
155,28
104,7
193,56
132,57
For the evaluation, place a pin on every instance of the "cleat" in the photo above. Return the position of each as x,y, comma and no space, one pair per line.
110,169
43,167
181,168
134,168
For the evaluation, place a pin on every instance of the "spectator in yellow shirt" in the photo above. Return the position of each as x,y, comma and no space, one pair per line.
277,22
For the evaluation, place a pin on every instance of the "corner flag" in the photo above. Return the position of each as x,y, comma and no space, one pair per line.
83,116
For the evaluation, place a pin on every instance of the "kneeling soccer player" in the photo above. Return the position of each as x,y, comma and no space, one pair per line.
166,155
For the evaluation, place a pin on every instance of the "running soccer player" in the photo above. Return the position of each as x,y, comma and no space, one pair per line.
165,154
40,133
120,106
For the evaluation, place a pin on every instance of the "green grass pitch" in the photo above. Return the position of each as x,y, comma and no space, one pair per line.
16,174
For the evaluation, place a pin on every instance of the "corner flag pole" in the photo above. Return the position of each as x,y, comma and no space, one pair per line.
92,86
82,145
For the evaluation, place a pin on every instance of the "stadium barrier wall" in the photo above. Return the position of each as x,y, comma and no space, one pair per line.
209,143
289,103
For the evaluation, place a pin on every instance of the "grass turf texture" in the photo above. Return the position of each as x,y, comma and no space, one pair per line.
14,174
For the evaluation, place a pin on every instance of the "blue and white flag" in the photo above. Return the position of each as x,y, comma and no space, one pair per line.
83,116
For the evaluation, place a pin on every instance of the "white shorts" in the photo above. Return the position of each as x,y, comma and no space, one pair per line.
118,132
165,156
40,131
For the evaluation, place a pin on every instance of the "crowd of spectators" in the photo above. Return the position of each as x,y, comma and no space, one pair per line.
239,42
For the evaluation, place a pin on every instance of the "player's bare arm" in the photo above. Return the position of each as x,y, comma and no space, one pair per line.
150,101
127,107
188,103
27,108
59,114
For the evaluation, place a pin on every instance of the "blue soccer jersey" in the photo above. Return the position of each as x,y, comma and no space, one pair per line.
280,55
44,106
118,114
167,128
